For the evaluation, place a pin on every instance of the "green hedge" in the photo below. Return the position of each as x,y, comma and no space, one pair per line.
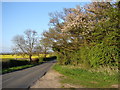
91,56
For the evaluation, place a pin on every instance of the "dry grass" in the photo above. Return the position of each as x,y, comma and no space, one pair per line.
106,69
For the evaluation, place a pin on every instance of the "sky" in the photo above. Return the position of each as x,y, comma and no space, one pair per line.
20,16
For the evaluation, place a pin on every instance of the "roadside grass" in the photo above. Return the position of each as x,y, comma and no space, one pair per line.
7,70
87,79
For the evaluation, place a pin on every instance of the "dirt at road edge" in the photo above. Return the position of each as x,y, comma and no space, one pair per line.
50,80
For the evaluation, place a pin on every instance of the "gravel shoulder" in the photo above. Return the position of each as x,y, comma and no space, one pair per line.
49,80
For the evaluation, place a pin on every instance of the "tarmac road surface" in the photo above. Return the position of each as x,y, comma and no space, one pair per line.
26,77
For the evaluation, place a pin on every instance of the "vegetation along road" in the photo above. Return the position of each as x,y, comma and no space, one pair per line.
25,78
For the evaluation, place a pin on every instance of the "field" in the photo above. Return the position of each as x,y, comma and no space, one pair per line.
4,57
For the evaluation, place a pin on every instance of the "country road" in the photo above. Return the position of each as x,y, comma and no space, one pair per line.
25,78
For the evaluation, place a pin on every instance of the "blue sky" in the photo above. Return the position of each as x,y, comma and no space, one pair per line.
19,16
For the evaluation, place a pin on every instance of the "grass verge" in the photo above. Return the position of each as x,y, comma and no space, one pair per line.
87,79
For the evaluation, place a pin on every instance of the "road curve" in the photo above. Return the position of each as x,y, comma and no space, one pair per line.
25,78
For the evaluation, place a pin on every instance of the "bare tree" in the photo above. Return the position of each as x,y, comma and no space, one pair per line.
38,50
45,45
26,43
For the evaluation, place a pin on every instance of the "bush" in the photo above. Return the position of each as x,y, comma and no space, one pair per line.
41,59
91,56
102,54
49,58
14,63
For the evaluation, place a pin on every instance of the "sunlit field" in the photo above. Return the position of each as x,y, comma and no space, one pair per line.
20,56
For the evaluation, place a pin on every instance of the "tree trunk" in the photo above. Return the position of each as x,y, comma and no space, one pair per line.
44,55
30,57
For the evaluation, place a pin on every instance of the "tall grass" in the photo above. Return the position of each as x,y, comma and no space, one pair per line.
105,69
